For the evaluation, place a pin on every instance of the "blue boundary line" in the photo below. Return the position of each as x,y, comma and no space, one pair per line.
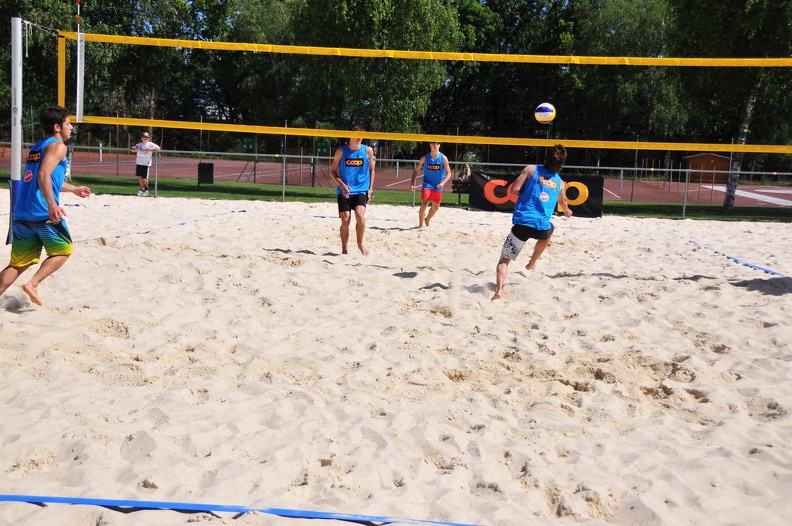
196,508
739,261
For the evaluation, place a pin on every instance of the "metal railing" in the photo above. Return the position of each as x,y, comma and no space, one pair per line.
680,186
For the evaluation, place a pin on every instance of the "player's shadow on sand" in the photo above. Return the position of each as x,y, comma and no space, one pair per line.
435,286
776,286
15,306
481,289
396,228
290,251
412,275
593,275
695,277
309,252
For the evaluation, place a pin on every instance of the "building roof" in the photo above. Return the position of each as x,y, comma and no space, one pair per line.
703,154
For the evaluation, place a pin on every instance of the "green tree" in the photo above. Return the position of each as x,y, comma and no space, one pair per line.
383,94
40,61
155,79
499,99
730,99
624,102
256,86
455,107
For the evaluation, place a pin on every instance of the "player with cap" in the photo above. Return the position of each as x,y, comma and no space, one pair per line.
143,161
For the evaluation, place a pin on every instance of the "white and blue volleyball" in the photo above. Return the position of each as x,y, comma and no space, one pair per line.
545,113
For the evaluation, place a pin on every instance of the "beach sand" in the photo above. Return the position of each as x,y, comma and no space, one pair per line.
225,352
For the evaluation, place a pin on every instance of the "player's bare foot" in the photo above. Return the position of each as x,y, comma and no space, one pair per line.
530,266
496,296
31,291
363,249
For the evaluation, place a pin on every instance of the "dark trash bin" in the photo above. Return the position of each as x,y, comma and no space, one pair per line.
205,173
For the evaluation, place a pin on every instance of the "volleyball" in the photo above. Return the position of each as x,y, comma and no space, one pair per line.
545,113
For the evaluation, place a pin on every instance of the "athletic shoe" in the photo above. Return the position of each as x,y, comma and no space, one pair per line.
145,193
140,193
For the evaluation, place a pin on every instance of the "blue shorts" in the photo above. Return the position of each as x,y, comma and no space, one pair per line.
31,236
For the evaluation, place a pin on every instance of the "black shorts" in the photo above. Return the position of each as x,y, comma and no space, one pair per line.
347,204
142,171
524,233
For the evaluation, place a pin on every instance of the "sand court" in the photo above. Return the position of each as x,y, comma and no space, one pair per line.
226,352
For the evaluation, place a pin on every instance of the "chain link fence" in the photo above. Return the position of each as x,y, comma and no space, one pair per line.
665,192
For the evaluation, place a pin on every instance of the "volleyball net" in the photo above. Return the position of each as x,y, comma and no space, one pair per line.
414,55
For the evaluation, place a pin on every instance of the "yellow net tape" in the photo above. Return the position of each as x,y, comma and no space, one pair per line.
448,139
434,55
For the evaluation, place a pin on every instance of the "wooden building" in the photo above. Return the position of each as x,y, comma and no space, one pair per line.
708,168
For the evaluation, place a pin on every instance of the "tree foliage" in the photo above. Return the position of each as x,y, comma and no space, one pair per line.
381,94
453,97
752,102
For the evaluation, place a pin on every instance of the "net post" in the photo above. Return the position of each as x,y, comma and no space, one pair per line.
16,118
16,98
80,75
283,180
61,70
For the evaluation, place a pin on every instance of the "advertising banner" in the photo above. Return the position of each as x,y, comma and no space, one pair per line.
583,193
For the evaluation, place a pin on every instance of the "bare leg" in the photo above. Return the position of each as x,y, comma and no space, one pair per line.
9,275
500,277
360,228
421,214
346,218
433,208
47,268
540,246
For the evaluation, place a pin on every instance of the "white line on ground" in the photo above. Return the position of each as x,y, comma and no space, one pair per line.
754,195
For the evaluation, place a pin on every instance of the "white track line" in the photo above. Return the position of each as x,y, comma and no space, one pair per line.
753,195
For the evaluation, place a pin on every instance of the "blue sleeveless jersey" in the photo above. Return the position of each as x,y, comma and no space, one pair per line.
434,171
354,170
538,200
29,203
